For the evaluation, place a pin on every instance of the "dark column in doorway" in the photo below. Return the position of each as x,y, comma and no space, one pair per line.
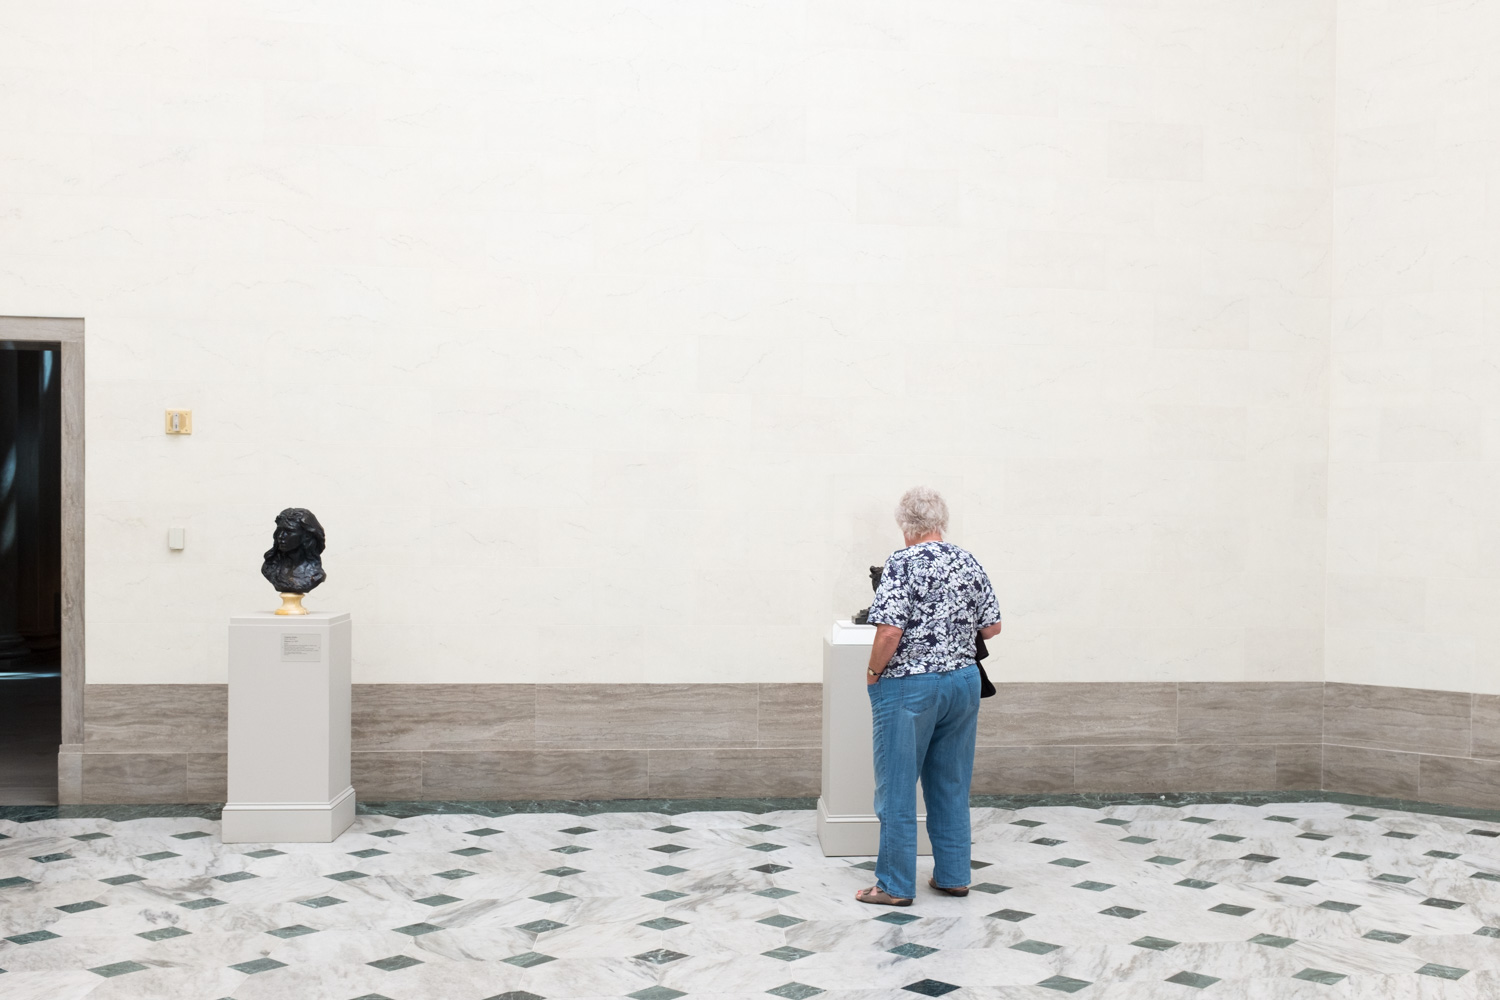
11,644
38,485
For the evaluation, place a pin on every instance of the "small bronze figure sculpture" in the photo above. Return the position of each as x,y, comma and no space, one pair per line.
293,564
863,617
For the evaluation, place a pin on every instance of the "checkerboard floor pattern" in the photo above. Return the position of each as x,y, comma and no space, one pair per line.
1127,901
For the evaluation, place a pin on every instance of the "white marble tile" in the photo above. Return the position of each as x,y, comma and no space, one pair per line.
841,946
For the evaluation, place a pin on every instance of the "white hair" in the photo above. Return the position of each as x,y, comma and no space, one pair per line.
921,512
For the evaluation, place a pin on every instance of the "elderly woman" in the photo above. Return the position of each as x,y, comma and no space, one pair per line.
923,681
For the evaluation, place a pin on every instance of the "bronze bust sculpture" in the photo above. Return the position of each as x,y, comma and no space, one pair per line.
293,564
863,617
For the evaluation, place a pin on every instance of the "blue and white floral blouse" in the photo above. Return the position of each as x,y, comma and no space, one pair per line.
939,596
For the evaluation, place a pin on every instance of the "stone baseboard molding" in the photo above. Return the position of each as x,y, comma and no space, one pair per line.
155,743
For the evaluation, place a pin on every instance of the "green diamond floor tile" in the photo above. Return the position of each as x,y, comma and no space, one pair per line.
665,923
527,959
780,920
930,987
163,934
774,892
118,969
1064,984
1196,980
540,926
659,956
667,895
418,929
1155,943
553,897
318,902
912,950
898,918
656,993
1320,976
295,930
794,991
1442,971
786,953
33,937
396,963
1014,916
87,904
1273,940
1035,947
443,900
258,965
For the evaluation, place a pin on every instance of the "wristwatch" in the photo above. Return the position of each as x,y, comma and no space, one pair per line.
872,673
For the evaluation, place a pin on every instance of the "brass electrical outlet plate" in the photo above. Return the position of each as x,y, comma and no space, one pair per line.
179,421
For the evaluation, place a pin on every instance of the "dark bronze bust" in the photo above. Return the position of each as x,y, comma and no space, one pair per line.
294,564
863,617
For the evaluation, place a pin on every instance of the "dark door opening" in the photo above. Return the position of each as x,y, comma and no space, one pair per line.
30,571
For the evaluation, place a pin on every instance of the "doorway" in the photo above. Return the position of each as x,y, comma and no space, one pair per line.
30,571
41,559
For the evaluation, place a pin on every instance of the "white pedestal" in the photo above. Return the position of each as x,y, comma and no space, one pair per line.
846,810
288,729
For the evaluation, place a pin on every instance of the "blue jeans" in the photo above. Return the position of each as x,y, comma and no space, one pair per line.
924,726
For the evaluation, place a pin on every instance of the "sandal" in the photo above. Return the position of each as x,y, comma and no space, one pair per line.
877,896
962,890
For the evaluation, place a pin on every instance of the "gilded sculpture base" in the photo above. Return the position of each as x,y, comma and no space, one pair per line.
291,604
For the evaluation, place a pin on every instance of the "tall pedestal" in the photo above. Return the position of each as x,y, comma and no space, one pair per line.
846,810
288,729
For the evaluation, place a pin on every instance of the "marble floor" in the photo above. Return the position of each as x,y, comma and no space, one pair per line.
1289,900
